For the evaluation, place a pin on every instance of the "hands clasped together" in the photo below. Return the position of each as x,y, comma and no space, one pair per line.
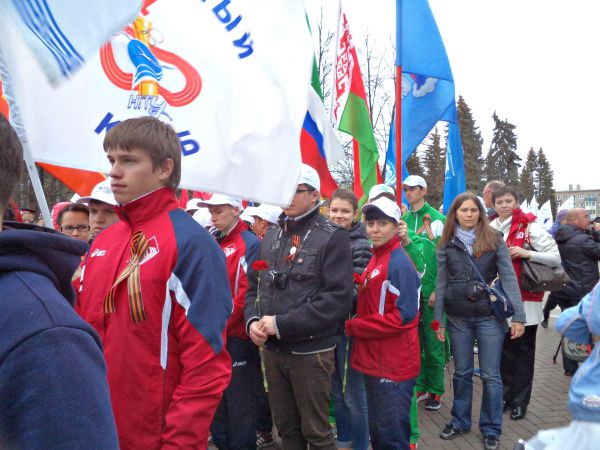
262,329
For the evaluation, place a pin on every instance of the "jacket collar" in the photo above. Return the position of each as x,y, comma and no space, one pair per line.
235,231
422,210
387,247
296,224
148,206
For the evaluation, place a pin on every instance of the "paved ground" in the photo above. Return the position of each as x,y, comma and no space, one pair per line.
548,407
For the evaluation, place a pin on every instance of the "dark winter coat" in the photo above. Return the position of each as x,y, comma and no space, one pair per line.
53,389
361,255
309,294
579,253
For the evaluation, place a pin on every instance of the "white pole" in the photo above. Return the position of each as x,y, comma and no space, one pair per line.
37,186
336,38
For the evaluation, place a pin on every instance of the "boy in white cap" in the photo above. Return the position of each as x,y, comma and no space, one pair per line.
386,340
101,203
234,424
296,301
264,217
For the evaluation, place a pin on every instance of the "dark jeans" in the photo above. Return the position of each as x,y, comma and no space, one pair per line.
299,389
489,333
518,361
264,422
389,408
234,424
350,405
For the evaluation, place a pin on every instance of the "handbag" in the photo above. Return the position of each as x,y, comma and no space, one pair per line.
537,277
500,305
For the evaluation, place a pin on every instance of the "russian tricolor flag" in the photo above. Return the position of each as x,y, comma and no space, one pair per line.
319,144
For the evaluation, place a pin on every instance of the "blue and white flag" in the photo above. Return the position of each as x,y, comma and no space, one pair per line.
428,94
63,35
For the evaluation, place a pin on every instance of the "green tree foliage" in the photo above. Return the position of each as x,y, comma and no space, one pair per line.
434,163
502,161
472,146
544,179
527,183
413,164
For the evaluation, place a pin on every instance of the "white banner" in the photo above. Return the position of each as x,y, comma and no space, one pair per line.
533,206
231,77
544,216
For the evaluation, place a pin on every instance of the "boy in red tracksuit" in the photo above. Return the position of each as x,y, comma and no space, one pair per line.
234,424
386,340
155,288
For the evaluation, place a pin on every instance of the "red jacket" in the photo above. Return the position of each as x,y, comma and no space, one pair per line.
386,340
168,372
241,248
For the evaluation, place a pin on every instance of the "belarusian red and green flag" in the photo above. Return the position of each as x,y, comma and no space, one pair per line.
351,113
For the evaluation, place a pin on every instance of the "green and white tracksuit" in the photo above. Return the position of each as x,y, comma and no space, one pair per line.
427,224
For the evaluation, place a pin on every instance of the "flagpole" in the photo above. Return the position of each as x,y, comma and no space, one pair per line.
399,101
37,185
335,57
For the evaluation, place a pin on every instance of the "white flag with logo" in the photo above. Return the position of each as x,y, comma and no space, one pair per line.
230,77
544,216
63,35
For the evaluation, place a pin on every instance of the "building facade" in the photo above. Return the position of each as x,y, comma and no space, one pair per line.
588,199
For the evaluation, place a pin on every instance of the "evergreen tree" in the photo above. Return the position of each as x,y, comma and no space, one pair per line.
544,178
434,162
502,161
413,164
472,146
527,184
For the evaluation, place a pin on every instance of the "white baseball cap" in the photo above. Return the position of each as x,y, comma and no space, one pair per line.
192,204
414,180
310,177
202,216
384,205
380,189
220,199
247,215
101,193
269,213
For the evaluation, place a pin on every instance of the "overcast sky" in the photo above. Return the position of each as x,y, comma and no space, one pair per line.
529,60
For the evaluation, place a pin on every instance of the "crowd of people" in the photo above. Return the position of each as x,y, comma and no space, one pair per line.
138,324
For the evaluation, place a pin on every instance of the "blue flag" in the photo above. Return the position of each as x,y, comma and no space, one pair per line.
428,94
454,179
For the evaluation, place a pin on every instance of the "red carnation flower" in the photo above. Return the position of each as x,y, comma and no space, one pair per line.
356,278
435,325
260,265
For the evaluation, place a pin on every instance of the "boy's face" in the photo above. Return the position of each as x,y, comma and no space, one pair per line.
133,175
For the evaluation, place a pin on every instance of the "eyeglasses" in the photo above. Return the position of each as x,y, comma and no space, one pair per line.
71,229
304,190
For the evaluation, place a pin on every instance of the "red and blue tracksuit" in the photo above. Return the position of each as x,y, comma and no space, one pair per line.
234,424
167,371
386,342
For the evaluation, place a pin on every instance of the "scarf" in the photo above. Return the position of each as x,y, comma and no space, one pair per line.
518,236
467,237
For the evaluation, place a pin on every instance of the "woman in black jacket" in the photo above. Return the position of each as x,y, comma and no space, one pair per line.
468,236
347,385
